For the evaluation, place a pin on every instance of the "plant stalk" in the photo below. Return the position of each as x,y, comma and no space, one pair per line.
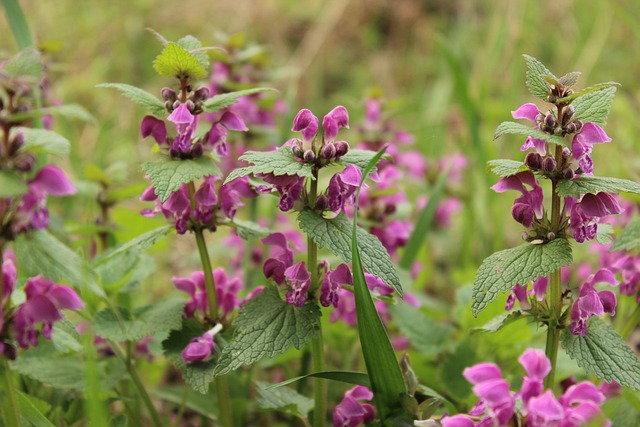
12,411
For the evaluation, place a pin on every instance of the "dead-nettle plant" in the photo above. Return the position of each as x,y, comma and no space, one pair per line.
559,147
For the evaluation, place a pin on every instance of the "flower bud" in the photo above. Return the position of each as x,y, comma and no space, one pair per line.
533,161
539,118
569,112
176,104
190,105
309,156
322,203
390,208
168,94
568,173
550,120
566,153
578,124
342,147
201,94
549,164
551,235
571,128
328,151
169,106
24,162
297,149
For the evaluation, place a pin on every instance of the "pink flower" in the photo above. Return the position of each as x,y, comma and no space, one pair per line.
351,412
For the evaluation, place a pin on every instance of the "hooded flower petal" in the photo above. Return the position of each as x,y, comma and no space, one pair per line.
526,111
51,180
306,123
154,127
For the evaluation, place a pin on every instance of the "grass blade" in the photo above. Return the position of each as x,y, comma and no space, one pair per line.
18,23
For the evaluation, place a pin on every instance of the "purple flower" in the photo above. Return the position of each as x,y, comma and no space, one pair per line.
307,124
545,411
226,292
217,135
342,187
201,348
585,214
44,301
333,121
185,123
350,412
530,112
331,285
289,187
280,259
492,390
299,279
457,421
592,302
151,126
529,205
582,145
537,366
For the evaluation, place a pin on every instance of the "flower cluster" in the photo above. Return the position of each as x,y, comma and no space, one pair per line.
532,405
351,412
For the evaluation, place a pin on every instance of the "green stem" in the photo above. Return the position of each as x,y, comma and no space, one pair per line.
12,411
142,391
631,323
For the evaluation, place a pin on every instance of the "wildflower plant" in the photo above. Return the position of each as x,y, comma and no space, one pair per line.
558,151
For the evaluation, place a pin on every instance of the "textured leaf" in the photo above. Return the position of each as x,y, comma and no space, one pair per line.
284,399
249,229
425,335
450,372
70,111
11,184
628,239
537,75
223,100
138,244
506,128
27,63
570,79
191,44
335,235
30,412
65,337
44,141
39,252
348,377
176,61
268,326
506,167
144,321
596,184
360,158
605,353
604,234
499,322
500,272
140,97
278,162
595,106
168,175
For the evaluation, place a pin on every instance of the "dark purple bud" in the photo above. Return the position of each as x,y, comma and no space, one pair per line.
566,153
24,162
549,164
168,94
342,147
169,106
8,350
390,208
550,120
322,203
558,131
16,143
533,161
297,149
309,156
197,150
328,151
201,94
539,118
176,104
571,128
190,105
568,92
578,124
569,112
568,173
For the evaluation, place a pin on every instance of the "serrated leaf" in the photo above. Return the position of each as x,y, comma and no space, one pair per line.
605,353
71,111
594,106
176,61
425,335
277,162
39,252
27,63
284,399
65,337
595,184
44,141
191,44
335,235
506,167
223,100
570,79
249,229
11,184
144,321
506,128
499,322
500,272
140,97
604,234
360,158
537,75
268,326
167,175
628,239
138,244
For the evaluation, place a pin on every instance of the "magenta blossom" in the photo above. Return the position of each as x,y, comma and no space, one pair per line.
582,145
201,348
530,112
332,283
226,292
585,214
342,187
529,205
592,302
351,412
299,280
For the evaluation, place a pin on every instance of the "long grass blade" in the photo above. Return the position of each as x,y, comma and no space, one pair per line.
18,23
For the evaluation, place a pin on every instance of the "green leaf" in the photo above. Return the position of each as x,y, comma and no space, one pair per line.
499,322
628,239
203,404
65,337
506,167
30,412
140,97
27,63
71,111
604,234
284,400
387,381
450,372
11,184
191,44
167,175
605,353
506,128
176,61
44,141
18,23
39,252
360,158
500,272
537,77
570,79
218,102
425,335
349,377
268,326
593,104
418,236
138,244
335,235
144,321
248,229
595,184
278,162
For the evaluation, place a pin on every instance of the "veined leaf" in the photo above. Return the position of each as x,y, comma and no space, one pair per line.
506,128
176,62
278,162
192,45
218,102
140,243
167,175
284,400
595,184
506,167
593,105
140,97
44,141
360,158
538,77
628,239
27,63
